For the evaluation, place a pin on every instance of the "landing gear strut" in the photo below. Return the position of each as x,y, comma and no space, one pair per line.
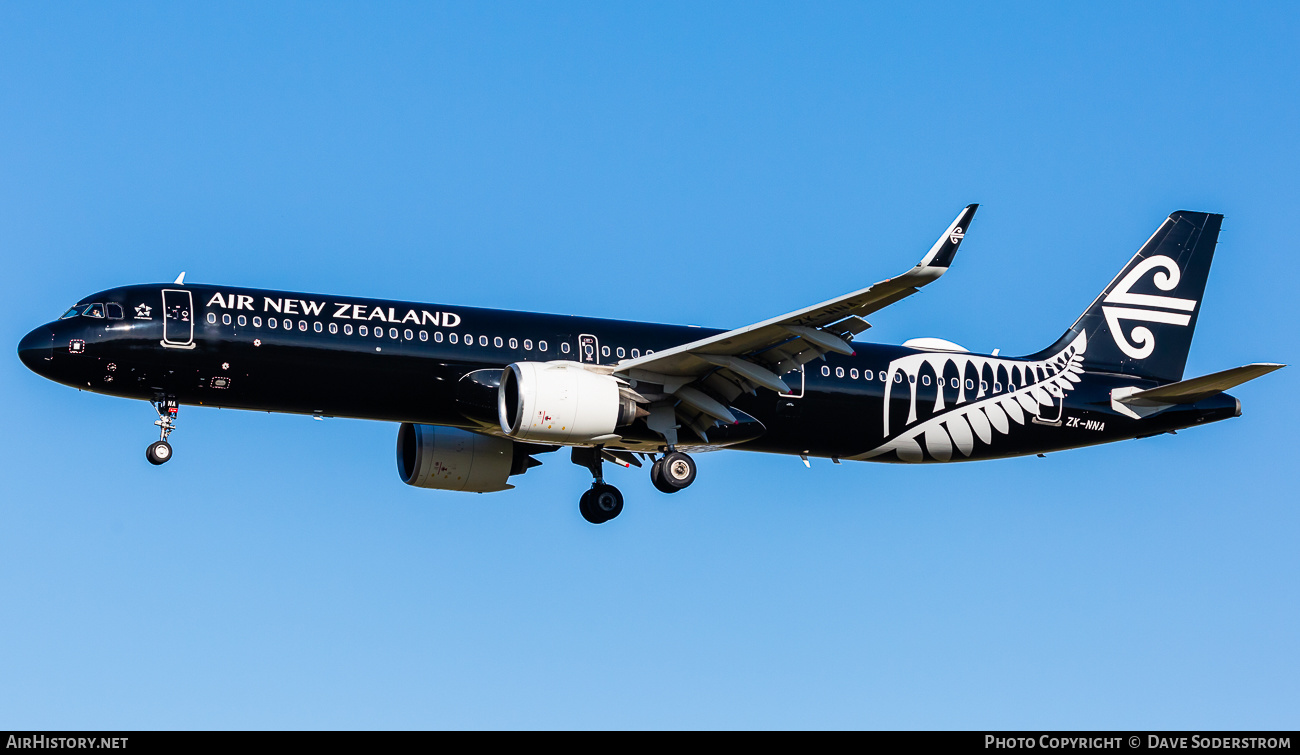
673,472
603,502
160,451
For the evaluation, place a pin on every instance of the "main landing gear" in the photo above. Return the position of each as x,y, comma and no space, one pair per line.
603,502
671,472
160,451
600,504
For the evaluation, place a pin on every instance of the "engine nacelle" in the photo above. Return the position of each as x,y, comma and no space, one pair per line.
447,458
561,402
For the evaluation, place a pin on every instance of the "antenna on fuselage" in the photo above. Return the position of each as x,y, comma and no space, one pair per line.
180,279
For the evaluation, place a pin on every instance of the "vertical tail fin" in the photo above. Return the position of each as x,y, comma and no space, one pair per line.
1142,322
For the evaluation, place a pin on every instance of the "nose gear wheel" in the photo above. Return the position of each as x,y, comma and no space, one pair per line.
160,451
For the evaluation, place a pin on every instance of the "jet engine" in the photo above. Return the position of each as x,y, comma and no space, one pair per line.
447,458
562,402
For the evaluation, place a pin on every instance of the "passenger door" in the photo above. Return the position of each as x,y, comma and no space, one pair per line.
178,319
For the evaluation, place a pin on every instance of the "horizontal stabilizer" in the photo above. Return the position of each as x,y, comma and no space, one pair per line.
1197,389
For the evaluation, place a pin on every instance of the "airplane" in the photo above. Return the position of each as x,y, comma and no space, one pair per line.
480,393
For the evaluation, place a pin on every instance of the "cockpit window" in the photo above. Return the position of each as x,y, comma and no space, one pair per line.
70,313
93,310
114,311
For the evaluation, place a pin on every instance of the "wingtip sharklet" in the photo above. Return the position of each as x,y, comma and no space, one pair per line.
945,249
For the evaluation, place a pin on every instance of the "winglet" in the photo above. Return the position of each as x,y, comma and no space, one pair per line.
945,249
180,279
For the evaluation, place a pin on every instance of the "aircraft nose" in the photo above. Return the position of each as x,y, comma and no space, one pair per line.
37,348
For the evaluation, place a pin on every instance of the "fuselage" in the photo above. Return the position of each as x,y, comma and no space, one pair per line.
434,364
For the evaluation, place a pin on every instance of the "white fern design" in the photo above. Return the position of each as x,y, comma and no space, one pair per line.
987,413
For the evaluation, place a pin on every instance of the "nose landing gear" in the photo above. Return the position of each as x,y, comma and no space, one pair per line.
160,451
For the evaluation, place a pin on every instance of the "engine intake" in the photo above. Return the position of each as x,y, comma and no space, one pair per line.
561,402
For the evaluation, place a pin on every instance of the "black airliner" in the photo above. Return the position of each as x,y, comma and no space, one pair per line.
480,393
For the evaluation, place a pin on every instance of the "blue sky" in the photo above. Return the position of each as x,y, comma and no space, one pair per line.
710,165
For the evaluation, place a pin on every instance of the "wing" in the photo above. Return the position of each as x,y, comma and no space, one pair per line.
704,376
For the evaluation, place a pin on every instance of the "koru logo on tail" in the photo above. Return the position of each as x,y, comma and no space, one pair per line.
1166,278
957,235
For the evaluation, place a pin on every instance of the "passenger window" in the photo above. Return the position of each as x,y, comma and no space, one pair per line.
604,351
453,338
363,330
114,311
347,329
636,353
620,352
853,373
826,371
437,336
839,372
334,328
497,342
392,333
257,322
302,325
514,343
242,321
225,319
424,335
469,339
482,340
272,322
528,344
408,335
212,318
316,326
541,346
564,347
